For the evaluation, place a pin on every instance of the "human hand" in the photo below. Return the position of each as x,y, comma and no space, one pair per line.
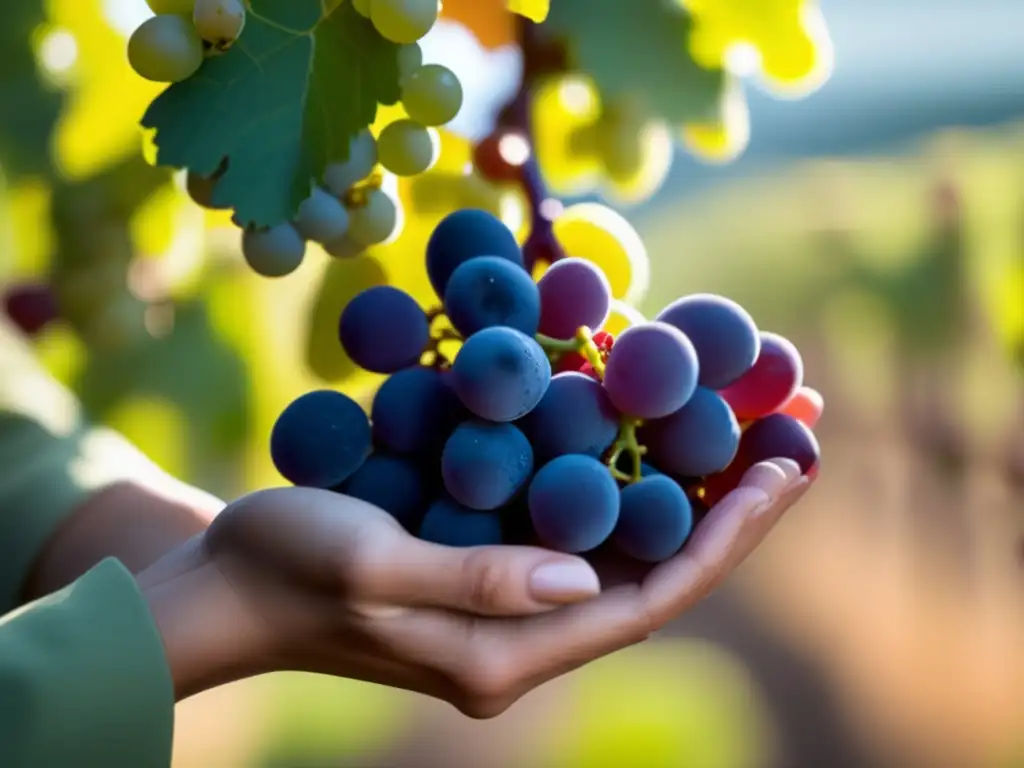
301,579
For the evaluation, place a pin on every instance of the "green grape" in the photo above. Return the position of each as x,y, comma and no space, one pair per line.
171,6
407,148
321,218
362,157
432,95
363,7
219,22
273,252
410,58
374,221
403,21
165,49
344,247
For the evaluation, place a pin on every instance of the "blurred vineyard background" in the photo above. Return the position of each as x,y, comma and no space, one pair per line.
879,224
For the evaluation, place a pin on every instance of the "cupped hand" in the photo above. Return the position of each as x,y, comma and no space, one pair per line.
300,579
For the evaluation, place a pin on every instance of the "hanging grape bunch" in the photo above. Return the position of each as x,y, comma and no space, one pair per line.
347,200
538,426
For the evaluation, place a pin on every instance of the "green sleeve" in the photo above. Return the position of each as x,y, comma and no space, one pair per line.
84,680
50,461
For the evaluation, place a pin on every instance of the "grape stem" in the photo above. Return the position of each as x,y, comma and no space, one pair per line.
434,357
541,247
583,343
626,442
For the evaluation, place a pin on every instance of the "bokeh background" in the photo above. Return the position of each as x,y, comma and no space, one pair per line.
878,223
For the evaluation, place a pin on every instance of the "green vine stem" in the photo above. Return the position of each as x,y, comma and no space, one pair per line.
583,343
626,442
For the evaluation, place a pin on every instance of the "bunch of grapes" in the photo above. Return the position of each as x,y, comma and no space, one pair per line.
509,415
356,204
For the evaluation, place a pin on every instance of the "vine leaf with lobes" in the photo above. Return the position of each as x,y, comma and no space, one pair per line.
639,50
279,106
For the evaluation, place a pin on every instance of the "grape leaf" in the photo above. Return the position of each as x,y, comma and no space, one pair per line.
534,10
280,105
28,109
639,50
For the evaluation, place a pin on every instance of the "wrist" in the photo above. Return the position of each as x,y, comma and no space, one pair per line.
208,638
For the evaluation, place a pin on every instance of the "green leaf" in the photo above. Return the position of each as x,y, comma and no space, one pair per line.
28,109
280,105
638,50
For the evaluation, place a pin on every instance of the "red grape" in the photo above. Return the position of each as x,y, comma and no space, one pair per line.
774,379
30,306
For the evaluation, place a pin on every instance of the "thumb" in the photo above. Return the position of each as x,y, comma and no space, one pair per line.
488,581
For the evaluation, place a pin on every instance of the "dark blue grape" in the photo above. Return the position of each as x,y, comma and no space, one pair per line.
449,523
501,374
722,332
655,519
574,416
463,235
487,291
395,485
574,503
484,465
699,439
320,439
384,330
415,410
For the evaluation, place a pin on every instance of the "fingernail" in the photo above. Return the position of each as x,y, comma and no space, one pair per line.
564,582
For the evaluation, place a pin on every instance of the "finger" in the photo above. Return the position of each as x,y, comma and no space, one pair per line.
486,581
728,533
539,648
526,651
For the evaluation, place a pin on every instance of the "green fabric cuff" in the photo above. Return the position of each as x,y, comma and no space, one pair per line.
44,476
85,679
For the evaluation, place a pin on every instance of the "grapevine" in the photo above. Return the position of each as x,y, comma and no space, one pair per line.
515,352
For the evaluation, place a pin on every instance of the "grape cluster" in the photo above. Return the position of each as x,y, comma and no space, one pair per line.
536,428
356,204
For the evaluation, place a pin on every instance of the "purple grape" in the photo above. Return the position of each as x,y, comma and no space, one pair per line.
487,291
485,465
655,519
722,332
415,410
770,383
501,374
652,371
574,416
320,439
383,330
778,436
394,484
699,439
573,293
449,523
